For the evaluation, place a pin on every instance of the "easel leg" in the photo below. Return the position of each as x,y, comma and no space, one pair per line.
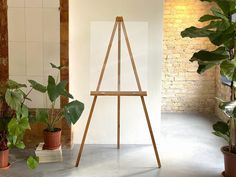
151,133
86,131
118,123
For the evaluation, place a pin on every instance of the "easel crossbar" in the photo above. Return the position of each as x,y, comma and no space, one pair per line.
118,93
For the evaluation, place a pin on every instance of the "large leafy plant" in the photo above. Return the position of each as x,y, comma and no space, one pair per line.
220,29
14,117
54,89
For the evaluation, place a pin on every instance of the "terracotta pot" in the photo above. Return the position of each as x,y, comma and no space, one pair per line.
230,162
52,140
4,159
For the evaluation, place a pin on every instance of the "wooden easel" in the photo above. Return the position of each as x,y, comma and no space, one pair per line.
120,24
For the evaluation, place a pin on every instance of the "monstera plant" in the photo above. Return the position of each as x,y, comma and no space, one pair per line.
71,112
220,28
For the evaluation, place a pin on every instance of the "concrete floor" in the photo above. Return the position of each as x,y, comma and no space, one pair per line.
187,149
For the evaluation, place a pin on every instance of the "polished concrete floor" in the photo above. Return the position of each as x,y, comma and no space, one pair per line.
187,149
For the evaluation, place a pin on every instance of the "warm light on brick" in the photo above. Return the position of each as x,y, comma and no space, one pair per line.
183,90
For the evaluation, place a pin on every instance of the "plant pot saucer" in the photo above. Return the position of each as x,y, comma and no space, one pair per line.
6,168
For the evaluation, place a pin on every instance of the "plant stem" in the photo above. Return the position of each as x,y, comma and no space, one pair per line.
26,96
52,115
58,117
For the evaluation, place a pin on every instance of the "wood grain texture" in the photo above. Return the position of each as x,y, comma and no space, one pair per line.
86,131
64,59
4,71
118,84
118,93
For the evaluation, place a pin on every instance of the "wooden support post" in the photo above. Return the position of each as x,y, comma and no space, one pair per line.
131,55
86,131
151,132
107,55
118,85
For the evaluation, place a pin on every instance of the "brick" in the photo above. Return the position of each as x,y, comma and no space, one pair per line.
183,90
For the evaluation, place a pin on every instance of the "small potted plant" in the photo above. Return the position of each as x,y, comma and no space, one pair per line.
4,119
71,111
220,29
14,121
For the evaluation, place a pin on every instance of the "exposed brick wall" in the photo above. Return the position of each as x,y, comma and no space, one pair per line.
64,54
183,90
3,41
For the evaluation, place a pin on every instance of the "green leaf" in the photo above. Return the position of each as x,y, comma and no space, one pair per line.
61,88
226,6
32,162
217,26
42,115
219,134
218,13
228,69
222,130
57,67
14,98
194,32
73,111
52,89
208,17
17,127
227,107
20,145
14,85
9,144
24,123
37,86
203,67
222,37
221,127
204,56
24,111
234,112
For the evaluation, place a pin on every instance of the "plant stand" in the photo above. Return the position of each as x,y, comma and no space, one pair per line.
119,23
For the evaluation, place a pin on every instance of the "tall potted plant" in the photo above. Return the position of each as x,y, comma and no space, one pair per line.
14,121
71,111
220,29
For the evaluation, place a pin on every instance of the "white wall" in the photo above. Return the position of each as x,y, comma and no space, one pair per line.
34,42
84,14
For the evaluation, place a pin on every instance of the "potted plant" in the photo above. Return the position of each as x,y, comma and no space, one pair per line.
71,111
227,130
220,29
4,119
14,121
